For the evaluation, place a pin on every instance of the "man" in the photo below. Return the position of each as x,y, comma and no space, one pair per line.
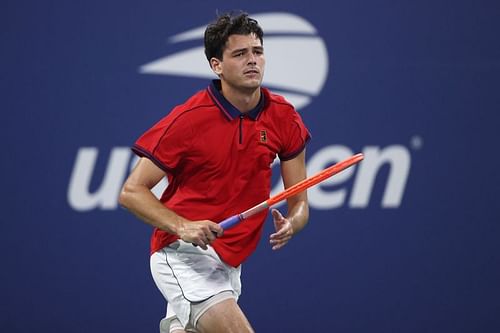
216,150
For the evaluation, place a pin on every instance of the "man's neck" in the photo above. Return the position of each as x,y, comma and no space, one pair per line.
243,100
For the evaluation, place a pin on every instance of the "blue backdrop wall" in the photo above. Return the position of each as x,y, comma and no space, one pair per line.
408,241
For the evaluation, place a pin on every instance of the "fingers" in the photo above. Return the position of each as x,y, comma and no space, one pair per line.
279,240
217,230
200,239
284,230
202,233
202,244
277,215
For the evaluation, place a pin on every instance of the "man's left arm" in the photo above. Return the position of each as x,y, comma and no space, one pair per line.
292,172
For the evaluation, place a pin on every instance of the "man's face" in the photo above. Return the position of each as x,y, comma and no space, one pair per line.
243,62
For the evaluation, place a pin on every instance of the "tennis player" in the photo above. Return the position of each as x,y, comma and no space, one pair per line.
216,150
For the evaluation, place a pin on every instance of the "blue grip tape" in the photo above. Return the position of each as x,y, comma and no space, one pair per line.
230,222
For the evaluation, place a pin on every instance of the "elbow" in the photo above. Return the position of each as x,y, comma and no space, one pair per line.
125,195
122,200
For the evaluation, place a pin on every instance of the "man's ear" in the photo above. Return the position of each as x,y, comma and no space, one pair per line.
216,65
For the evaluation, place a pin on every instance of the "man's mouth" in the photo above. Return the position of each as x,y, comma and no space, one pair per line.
251,71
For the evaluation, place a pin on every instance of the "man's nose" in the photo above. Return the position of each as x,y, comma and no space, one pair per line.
252,59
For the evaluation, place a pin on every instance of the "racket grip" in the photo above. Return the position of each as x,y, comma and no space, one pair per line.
230,221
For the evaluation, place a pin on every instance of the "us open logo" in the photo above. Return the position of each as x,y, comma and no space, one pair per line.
288,40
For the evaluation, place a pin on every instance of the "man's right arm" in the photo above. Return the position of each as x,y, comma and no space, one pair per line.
136,196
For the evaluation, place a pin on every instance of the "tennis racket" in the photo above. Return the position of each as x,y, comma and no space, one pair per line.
292,190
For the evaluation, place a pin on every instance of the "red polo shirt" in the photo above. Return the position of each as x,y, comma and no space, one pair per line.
218,162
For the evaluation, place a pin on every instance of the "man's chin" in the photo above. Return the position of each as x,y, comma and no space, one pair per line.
252,84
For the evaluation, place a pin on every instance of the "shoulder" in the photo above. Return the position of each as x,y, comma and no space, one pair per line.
186,114
197,102
278,107
277,101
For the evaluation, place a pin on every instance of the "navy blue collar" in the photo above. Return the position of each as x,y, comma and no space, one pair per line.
230,110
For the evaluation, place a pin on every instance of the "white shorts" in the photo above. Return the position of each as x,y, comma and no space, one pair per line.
189,278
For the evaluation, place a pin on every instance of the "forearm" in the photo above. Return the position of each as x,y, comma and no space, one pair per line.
139,200
298,214
294,171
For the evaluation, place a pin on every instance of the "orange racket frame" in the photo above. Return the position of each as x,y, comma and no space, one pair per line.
292,190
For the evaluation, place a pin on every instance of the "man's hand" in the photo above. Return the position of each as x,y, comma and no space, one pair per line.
284,230
200,233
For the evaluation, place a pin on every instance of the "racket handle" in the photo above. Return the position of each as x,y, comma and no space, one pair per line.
230,221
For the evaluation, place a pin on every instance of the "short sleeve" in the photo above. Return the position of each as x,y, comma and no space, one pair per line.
167,142
295,138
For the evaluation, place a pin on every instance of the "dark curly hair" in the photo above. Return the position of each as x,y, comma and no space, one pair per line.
218,32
